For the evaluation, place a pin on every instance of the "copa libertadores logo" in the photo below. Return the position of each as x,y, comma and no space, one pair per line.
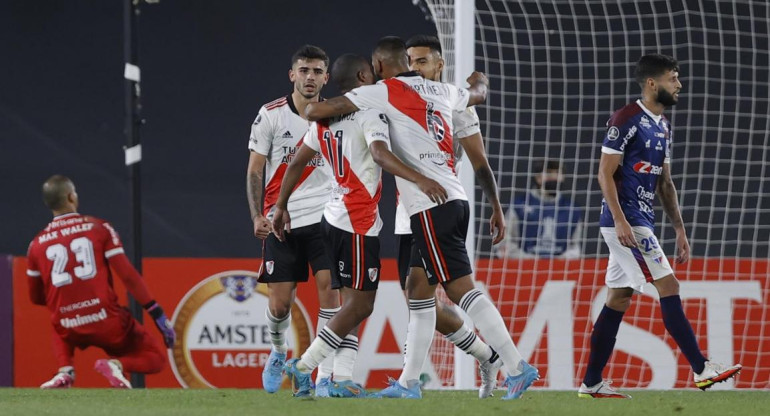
223,336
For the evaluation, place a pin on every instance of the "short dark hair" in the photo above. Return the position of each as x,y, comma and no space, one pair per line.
542,165
653,66
56,189
345,70
310,52
391,46
426,41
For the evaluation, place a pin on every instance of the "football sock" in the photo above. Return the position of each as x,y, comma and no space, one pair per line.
419,336
345,358
602,343
679,327
327,366
491,326
466,340
322,346
277,328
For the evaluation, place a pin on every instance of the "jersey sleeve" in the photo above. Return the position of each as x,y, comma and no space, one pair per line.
466,123
375,126
310,139
261,137
33,269
619,134
458,97
369,96
112,246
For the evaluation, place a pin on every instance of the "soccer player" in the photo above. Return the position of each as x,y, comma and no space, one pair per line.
635,165
355,146
425,57
420,115
68,271
275,137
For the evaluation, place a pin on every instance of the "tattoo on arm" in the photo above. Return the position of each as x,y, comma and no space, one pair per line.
488,184
254,192
669,200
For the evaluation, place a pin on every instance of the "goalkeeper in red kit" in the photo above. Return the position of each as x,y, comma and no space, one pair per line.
68,271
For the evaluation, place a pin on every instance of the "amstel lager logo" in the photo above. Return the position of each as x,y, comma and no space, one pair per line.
223,338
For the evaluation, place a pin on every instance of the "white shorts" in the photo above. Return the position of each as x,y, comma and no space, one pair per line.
633,267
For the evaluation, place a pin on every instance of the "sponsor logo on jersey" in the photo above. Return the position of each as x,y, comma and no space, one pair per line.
645,122
383,118
644,194
613,133
658,146
438,158
80,320
258,120
287,135
223,336
647,168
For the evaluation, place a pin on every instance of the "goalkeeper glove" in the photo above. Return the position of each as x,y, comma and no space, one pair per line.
162,322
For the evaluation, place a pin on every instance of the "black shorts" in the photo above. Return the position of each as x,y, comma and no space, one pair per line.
287,261
356,258
439,234
408,257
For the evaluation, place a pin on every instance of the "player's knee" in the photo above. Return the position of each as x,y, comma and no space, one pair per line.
280,310
667,286
447,321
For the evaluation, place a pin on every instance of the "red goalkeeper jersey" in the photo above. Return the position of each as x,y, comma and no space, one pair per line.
70,258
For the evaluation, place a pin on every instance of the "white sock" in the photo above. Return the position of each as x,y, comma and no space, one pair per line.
277,327
345,358
327,366
466,340
419,337
491,326
322,346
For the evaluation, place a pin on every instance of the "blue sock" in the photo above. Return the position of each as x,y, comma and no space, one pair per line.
602,344
679,327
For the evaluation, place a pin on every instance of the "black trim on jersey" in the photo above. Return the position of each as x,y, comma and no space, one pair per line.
409,74
292,107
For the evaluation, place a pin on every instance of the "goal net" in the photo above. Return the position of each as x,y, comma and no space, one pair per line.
558,69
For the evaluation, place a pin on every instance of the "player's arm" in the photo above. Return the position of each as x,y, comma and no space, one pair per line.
608,164
254,176
393,165
336,106
34,281
474,148
479,86
291,177
667,194
135,285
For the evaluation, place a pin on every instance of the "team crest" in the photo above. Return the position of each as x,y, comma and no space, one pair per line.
239,288
435,124
269,266
373,274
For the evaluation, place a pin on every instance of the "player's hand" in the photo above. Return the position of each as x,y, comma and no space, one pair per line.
281,223
497,226
477,78
682,248
261,227
433,189
163,324
625,233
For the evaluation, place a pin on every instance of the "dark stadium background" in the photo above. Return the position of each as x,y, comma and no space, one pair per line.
206,68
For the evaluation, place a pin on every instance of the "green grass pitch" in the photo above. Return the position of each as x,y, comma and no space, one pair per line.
107,402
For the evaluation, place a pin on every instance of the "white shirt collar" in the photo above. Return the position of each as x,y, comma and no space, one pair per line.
655,118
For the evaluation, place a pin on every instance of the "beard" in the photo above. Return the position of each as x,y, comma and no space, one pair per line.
666,98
